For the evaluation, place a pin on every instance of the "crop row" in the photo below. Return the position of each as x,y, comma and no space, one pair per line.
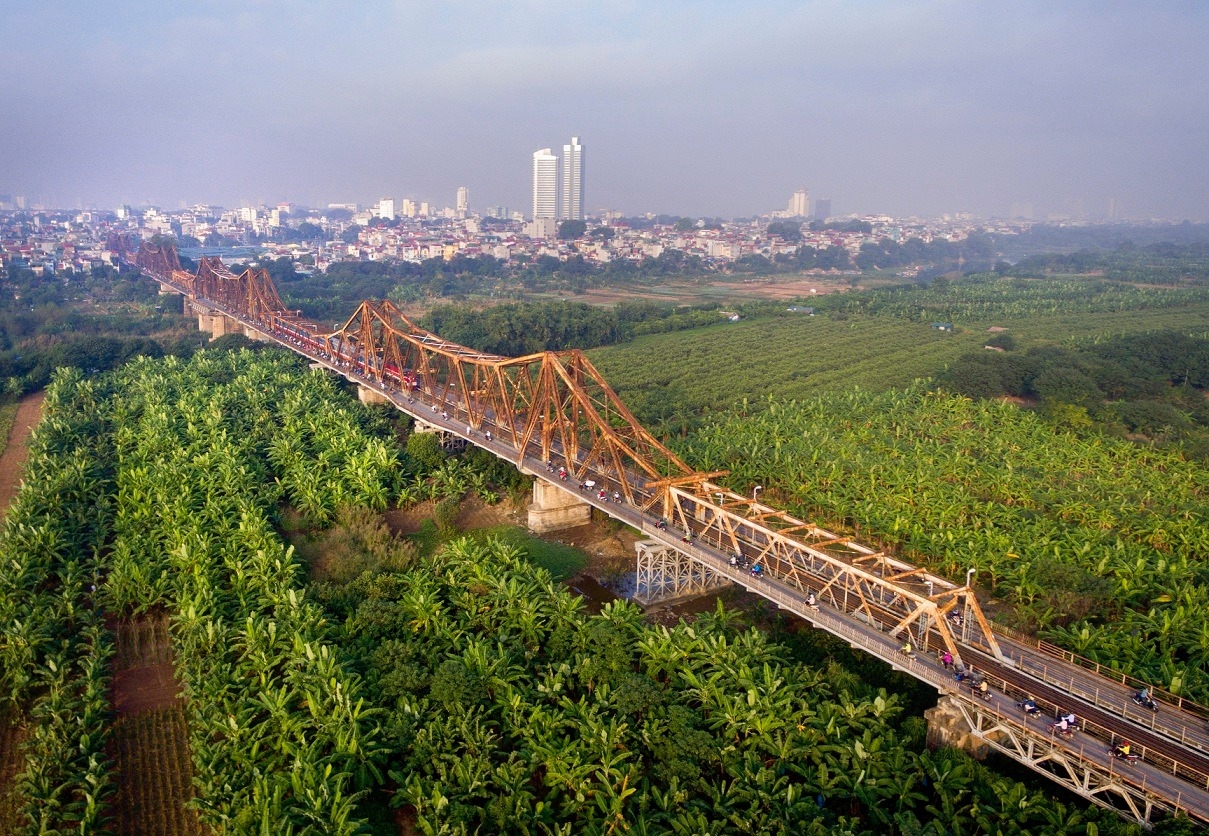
53,645
152,753
279,736
708,369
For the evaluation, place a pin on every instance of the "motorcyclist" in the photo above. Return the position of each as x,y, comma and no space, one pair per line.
1070,719
982,689
1123,749
811,601
907,649
1030,705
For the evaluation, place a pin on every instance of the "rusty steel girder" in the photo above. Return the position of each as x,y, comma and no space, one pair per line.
550,405
158,259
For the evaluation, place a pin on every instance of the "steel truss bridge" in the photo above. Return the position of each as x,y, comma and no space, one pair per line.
552,412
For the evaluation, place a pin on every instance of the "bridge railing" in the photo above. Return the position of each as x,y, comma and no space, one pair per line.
1110,737
1106,672
1101,765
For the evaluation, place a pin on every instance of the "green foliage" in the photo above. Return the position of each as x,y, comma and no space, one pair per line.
358,542
53,642
1005,341
425,449
560,560
788,230
445,514
570,230
1148,384
233,342
509,709
278,731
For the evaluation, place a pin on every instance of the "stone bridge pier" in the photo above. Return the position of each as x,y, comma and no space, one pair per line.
554,508
947,726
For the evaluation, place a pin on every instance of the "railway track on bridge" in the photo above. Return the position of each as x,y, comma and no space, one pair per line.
551,408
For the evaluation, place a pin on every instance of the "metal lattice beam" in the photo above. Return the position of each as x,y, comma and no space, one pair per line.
665,574
843,573
1095,780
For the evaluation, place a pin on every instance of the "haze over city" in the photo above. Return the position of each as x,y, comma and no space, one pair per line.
913,108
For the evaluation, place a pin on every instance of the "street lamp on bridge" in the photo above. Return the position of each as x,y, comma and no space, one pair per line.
755,491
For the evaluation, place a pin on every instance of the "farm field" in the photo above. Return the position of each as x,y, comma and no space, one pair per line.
796,356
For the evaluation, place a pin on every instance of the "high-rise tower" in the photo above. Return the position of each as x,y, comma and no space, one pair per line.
799,204
573,172
463,199
545,184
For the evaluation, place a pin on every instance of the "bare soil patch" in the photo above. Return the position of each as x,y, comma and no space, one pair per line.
150,743
143,677
12,734
16,448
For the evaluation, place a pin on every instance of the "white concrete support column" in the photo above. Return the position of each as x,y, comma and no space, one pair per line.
212,322
252,334
554,509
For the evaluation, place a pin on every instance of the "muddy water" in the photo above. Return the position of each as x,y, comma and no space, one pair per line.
595,594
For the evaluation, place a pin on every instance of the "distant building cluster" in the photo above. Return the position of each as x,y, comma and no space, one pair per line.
67,242
410,230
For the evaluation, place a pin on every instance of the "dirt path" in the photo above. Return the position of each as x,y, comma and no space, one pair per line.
12,461
150,735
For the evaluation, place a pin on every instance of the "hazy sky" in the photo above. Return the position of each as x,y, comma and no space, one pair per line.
704,108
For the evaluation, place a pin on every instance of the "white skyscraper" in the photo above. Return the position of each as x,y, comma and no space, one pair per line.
545,184
799,204
573,189
386,208
463,199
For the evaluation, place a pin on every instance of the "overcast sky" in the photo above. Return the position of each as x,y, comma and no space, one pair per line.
706,108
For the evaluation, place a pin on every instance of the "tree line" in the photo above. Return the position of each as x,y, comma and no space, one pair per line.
1150,385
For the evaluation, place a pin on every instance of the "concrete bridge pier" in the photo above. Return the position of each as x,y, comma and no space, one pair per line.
947,726
554,508
165,289
216,324
367,395
252,334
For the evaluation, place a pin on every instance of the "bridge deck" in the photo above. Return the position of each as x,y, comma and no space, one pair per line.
1174,741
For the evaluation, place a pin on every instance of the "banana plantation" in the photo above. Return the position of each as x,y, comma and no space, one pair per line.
152,489
506,708
466,692
1100,544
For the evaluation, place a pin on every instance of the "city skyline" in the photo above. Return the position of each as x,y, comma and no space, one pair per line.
916,108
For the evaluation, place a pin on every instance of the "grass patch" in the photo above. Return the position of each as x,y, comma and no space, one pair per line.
427,539
560,560
8,414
